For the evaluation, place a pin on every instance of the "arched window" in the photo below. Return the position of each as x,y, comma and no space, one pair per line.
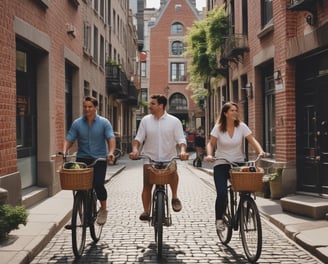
177,48
176,28
178,103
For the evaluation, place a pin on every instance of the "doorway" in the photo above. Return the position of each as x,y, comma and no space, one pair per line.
26,114
312,128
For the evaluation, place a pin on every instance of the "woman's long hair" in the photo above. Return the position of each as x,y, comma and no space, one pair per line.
223,119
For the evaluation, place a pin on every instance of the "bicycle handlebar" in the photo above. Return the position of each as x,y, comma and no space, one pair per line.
143,156
249,163
65,156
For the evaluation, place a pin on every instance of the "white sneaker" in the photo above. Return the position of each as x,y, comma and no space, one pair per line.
220,225
102,216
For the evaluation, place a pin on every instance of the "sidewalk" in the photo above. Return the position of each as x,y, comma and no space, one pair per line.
48,217
44,221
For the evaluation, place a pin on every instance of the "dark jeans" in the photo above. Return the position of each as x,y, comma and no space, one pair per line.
221,175
99,173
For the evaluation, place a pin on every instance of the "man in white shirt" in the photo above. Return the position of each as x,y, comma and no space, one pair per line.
159,134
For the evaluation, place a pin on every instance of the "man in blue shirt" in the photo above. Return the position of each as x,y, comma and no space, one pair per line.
95,138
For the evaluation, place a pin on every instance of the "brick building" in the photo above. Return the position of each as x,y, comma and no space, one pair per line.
53,53
167,68
276,61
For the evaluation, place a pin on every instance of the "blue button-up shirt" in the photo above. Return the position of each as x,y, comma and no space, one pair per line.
92,140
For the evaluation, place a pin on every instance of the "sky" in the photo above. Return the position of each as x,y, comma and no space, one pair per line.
155,3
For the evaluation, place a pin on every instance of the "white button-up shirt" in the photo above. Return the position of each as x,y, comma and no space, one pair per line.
159,137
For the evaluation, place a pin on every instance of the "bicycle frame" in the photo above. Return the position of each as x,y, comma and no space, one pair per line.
242,213
84,215
235,205
160,215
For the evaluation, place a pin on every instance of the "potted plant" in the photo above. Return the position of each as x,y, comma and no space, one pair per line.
275,180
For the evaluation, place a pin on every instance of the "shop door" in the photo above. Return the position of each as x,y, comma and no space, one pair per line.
25,115
313,155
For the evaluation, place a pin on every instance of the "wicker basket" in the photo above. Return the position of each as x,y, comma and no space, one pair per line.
162,176
247,181
76,179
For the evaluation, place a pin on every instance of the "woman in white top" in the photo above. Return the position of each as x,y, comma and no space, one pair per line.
228,136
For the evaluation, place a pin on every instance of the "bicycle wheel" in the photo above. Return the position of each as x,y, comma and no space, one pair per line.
250,229
95,229
159,222
225,236
78,224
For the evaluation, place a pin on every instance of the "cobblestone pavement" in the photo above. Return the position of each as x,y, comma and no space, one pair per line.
191,239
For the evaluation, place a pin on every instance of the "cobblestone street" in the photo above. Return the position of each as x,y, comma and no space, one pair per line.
191,239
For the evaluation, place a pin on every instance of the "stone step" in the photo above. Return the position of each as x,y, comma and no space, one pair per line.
309,206
33,195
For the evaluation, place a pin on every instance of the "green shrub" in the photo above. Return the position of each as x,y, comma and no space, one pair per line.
10,218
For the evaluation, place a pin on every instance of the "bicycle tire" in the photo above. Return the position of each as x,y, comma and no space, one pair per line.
226,235
95,229
159,223
78,224
250,229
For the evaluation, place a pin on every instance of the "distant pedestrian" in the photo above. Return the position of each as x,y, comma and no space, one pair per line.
227,136
200,147
158,135
95,138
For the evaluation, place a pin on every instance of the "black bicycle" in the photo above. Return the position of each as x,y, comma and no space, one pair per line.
78,177
160,216
241,210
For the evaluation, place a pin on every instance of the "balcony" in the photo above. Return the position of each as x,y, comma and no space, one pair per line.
301,5
305,5
116,81
132,94
235,46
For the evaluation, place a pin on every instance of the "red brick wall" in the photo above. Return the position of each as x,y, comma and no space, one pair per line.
7,92
52,22
159,50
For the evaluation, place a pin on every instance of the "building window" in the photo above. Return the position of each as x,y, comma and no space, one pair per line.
235,91
178,72
245,17
102,52
266,12
177,28
177,48
95,6
143,69
95,44
86,88
86,37
102,9
101,105
178,102
270,118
